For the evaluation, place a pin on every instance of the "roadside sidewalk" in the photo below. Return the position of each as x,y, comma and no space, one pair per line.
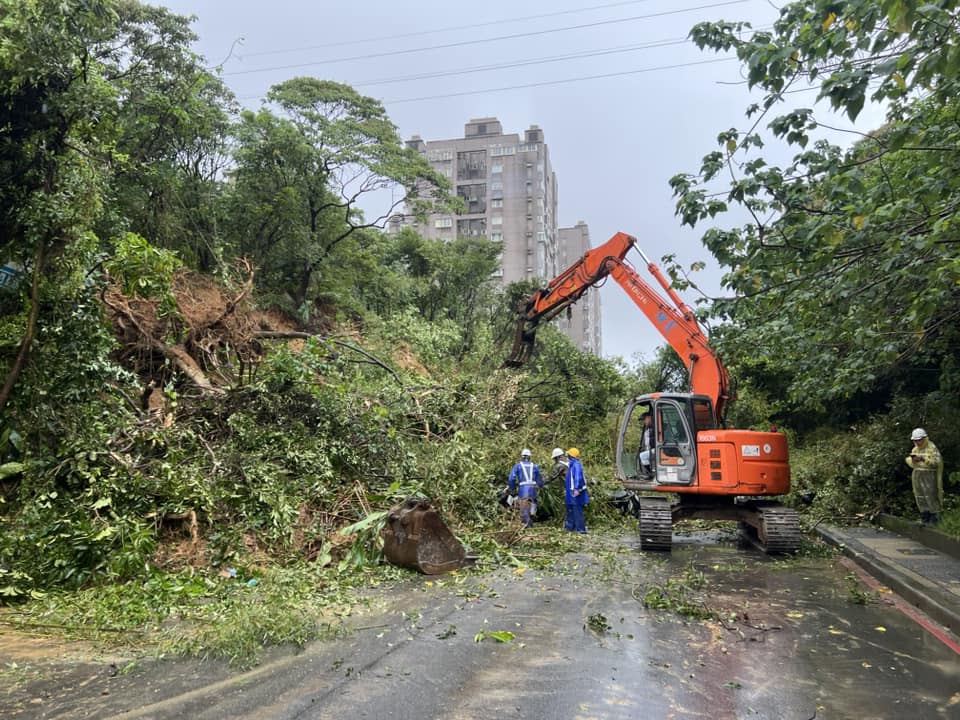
919,564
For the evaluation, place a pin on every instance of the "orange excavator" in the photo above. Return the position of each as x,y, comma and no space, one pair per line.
718,473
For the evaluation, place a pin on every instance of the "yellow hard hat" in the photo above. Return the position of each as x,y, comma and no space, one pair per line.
573,452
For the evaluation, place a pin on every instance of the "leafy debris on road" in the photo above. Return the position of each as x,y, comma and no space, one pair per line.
597,623
676,594
501,636
448,632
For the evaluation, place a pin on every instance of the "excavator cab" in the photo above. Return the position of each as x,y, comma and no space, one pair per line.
676,420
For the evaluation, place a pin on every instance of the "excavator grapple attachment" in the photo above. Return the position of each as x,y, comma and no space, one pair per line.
523,337
415,536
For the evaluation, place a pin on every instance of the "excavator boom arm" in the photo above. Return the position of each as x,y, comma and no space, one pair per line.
673,319
560,293
679,328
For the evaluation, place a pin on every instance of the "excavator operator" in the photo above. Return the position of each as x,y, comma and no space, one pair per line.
646,447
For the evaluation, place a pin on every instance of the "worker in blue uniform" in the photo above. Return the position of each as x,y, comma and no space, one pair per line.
576,495
523,481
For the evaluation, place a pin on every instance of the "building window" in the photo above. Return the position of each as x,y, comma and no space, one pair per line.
496,220
472,165
496,185
496,237
474,197
496,168
443,223
471,228
496,203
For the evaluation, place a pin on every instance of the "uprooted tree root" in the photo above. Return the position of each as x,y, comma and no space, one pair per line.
210,335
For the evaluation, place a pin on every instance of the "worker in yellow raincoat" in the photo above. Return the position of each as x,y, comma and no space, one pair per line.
927,476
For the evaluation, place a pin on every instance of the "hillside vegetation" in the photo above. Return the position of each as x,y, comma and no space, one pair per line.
215,361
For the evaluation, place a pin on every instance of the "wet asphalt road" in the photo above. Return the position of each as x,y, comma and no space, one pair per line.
794,641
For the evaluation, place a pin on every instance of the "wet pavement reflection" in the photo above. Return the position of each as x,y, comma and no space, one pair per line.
800,638
739,634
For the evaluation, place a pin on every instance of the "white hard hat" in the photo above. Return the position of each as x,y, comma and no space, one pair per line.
557,452
918,434
525,452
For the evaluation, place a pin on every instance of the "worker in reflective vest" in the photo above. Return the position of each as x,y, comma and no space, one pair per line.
523,481
576,495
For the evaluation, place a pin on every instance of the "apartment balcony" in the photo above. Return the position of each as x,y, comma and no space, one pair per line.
472,171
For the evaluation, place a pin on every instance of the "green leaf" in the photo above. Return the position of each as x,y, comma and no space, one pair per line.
11,468
501,636
369,521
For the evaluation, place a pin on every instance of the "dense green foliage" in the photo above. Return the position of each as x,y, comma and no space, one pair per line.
300,175
845,282
849,263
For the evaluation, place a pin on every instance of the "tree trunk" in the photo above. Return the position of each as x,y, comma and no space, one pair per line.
303,286
181,358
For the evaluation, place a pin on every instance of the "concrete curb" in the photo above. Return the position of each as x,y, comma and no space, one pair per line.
918,591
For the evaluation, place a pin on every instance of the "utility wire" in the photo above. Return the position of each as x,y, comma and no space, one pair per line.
522,63
559,82
538,84
484,40
526,63
420,33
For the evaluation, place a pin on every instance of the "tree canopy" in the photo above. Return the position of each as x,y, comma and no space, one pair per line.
847,276
301,174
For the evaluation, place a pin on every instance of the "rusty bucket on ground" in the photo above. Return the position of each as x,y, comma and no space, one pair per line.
414,536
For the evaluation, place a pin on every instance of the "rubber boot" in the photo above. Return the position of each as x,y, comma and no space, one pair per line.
933,519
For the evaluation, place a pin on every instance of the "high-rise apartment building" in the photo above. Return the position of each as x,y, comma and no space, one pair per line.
582,323
509,191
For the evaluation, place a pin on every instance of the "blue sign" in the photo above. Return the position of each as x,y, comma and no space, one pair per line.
10,275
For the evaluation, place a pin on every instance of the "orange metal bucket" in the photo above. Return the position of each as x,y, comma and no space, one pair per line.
414,536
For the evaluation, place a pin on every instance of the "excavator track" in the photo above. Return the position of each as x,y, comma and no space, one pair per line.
656,524
778,530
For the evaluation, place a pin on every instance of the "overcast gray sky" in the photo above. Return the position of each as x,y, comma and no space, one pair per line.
614,141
